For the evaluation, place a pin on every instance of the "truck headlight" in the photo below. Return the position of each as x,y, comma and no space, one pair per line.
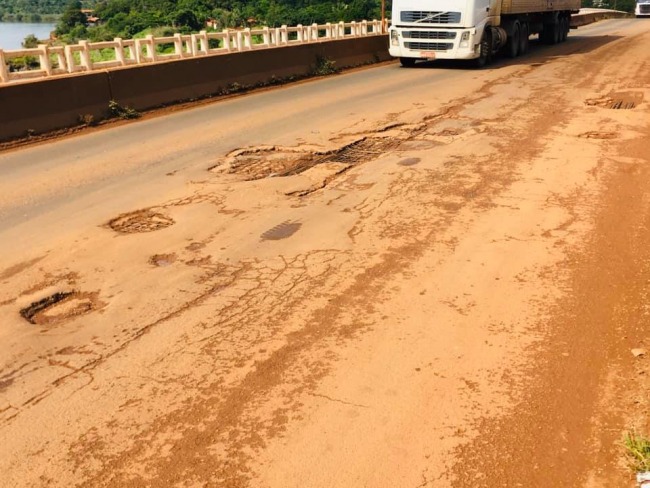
464,39
394,40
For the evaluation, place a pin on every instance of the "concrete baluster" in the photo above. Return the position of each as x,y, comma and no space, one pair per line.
364,27
4,72
314,32
150,47
247,38
328,31
139,55
85,56
44,59
285,34
119,51
178,45
300,32
341,33
266,36
69,56
239,43
60,59
226,40
194,45
132,55
203,42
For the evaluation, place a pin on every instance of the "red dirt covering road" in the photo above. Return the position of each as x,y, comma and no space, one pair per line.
444,295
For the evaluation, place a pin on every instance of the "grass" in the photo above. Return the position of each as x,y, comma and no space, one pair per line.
122,112
324,67
637,447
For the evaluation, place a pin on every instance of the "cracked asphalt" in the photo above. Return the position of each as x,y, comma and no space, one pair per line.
385,278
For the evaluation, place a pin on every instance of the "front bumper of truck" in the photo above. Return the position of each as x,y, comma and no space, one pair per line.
433,43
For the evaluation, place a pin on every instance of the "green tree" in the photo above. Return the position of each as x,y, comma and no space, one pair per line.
277,15
71,18
185,20
31,41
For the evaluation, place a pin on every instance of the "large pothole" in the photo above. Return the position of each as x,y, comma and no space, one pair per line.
273,161
60,306
145,220
617,100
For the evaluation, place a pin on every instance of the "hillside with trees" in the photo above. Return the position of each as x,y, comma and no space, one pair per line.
34,10
131,18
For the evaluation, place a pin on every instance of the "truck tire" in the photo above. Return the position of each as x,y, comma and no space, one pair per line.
557,31
523,39
514,41
407,62
566,28
485,53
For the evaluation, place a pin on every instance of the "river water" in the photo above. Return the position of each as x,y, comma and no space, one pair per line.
12,34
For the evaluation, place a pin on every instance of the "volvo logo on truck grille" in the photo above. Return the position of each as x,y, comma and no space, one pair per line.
433,17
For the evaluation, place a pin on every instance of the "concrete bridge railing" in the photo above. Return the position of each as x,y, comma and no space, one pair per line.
58,60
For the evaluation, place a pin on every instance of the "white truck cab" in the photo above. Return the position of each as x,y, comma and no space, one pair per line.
642,8
474,29
438,29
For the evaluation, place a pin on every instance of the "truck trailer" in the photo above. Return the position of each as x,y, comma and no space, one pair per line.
474,29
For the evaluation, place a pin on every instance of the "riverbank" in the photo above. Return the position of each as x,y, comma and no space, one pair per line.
12,34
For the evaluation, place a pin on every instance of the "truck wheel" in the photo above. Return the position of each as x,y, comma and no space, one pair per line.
557,31
485,54
513,41
407,62
523,40
566,28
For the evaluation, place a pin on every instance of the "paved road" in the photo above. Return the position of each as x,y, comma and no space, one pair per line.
391,277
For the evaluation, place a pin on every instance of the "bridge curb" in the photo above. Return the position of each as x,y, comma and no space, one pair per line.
46,105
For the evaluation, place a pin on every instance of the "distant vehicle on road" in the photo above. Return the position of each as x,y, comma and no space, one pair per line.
642,8
475,29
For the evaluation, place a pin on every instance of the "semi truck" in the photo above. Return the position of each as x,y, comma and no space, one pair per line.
642,8
474,29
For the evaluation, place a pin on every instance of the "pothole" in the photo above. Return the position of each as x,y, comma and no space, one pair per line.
362,151
617,100
255,164
195,246
281,231
260,162
598,135
140,221
162,260
59,307
409,162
